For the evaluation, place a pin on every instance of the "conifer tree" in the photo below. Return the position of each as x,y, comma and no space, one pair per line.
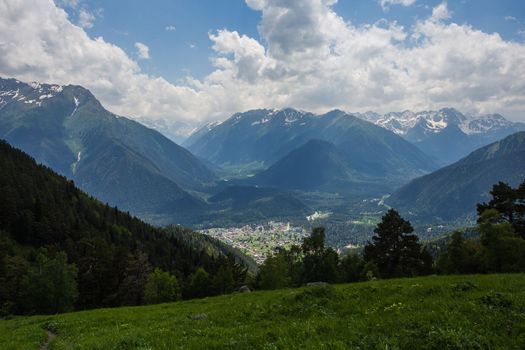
200,285
394,249
273,273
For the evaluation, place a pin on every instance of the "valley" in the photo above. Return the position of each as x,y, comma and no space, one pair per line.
264,165
259,241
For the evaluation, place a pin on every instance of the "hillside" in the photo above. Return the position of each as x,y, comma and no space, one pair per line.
316,165
266,201
453,192
266,136
113,158
453,312
41,209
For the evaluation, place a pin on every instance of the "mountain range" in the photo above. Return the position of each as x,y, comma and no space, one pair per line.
263,163
267,136
113,158
446,135
452,192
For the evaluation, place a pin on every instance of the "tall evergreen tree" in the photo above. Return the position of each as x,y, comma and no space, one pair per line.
223,282
461,256
319,263
200,284
394,249
510,204
136,275
273,273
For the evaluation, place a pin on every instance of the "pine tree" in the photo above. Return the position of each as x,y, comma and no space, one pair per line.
320,264
510,204
200,285
135,277
461,256
273,273
394,249
222,282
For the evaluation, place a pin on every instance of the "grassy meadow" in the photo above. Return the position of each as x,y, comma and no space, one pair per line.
436,312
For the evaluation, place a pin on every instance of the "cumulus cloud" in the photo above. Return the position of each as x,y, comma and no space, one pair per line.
386,3
441,12
308,57
142,51
314,59
170,28
86,18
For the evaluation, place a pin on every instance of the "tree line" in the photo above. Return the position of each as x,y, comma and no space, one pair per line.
395,251
63,250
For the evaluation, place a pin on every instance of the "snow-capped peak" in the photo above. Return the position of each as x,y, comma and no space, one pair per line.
286,116
435,121
484,123
33,93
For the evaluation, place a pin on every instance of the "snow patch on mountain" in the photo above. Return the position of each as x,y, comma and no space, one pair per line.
485,123
30,94
75,99
435,121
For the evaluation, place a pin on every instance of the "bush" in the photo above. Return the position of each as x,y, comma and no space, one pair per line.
496,301
161,287
319,291
463,286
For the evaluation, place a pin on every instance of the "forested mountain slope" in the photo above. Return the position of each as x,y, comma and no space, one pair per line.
452,192
111,251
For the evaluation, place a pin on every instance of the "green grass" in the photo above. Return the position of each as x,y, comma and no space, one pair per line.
451,312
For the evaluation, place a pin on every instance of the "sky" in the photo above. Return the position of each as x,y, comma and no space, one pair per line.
187,62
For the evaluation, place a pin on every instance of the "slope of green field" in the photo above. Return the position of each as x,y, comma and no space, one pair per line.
450,312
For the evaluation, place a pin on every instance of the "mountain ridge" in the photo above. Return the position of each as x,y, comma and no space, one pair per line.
452,192
446,134
266,135
68,129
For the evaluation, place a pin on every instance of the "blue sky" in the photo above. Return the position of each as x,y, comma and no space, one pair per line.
186,50
182,63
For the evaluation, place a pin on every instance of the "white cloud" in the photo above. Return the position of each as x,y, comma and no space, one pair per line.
386,3
142,51
308,57
441,12
510,18
68,3
86,18
170,28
